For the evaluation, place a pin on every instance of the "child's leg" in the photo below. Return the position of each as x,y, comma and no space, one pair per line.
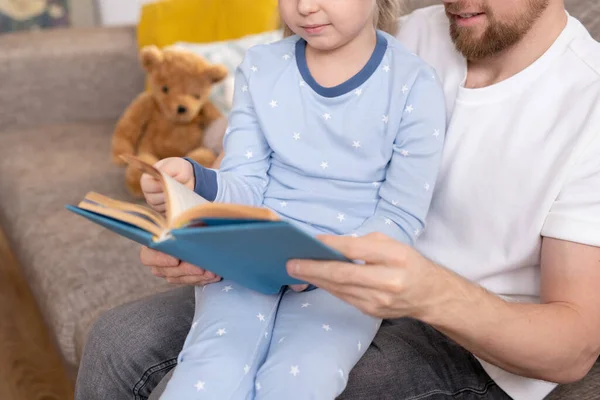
317,340
227,343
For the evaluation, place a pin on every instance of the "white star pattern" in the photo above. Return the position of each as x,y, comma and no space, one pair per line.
194,325
326,327
341,217
327,116
404,89
418,233
388,221
199,386
249,154
354,235
302,84
273,104
253,68
404,152
296,136
227,288
358,92
356,144
324,164
385,119
359,346
286,57
282,339
386,68
341,372
221,332
260,317
246,369
375,184
427,187
294,370
266,334
257,386
436,133
245,88
283,204
394,202
409,109
305,305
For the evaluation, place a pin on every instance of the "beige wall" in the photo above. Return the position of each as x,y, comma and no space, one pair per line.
83,13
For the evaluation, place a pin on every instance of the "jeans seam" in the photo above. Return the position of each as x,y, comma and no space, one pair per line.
481,391
149,372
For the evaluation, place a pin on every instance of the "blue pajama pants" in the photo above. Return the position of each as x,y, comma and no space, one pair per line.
246,345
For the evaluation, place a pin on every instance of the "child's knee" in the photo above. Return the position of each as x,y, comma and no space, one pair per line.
220,375
319,379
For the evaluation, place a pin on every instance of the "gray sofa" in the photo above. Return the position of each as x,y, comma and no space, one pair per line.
61,94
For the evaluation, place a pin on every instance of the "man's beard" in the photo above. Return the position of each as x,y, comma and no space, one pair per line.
498,36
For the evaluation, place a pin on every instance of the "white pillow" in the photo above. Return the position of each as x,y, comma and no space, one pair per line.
231,54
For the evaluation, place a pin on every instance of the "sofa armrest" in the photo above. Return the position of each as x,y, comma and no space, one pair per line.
67,75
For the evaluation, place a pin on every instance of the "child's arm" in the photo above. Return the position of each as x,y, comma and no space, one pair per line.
242,177
411,175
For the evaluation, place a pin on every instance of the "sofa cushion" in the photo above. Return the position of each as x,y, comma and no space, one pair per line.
76,269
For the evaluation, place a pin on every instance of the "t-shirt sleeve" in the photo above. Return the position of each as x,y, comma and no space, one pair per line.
575,214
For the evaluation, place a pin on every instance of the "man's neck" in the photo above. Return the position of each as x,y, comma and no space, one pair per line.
535,43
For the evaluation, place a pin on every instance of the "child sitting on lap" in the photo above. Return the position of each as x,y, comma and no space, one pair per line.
339,129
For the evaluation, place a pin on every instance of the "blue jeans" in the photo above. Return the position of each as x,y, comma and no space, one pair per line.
132,349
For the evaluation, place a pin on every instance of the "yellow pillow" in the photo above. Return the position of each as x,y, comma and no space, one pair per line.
165,22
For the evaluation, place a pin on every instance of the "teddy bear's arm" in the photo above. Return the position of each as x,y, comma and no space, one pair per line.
131,126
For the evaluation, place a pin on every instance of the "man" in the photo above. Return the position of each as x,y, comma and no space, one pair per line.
501,289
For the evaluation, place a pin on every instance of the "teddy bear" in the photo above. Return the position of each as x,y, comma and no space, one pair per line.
170,119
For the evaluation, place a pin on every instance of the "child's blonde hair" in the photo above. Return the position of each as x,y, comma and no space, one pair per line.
386,17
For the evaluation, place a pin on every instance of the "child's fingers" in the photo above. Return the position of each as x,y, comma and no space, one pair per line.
177,168
155,200
150,185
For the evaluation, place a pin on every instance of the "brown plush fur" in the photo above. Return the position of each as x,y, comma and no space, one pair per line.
170,119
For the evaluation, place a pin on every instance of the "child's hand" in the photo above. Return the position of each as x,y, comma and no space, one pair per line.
178,168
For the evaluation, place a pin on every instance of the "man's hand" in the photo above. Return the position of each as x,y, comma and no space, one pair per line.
179,169
395,282
174,270
518,337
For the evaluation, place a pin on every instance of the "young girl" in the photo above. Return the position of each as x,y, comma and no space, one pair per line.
339,129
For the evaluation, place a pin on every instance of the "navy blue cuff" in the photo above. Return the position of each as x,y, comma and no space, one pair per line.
205,181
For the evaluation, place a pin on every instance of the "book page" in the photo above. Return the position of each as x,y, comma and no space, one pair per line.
179,198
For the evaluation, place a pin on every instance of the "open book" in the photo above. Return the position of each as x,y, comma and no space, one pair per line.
184,207
248,245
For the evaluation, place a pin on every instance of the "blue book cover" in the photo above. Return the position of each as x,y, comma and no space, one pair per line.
252,253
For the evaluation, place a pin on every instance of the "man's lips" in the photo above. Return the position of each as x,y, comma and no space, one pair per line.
466,18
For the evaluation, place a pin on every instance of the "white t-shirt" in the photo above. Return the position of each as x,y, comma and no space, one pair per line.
521,161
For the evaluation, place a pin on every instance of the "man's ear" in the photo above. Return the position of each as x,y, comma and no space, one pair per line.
150,57
217,73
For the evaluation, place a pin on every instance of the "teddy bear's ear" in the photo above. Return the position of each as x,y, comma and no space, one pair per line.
217,73
151,56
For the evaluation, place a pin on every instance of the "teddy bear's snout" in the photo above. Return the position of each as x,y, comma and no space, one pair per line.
181,109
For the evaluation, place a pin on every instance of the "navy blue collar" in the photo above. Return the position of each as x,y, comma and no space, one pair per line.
352,83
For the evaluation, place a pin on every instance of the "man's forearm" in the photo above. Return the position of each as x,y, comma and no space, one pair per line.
542,341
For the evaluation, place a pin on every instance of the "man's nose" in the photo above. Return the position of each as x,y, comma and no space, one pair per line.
307,7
